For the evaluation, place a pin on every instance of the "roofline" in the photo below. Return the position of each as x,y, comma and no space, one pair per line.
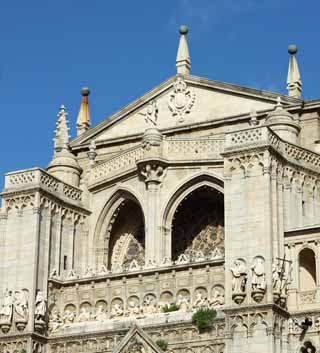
193,80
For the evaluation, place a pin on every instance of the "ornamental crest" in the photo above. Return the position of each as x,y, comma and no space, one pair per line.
181,99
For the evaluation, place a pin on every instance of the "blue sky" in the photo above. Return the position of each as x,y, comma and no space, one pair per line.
121,49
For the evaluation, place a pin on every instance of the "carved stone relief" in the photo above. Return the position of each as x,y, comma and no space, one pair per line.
181,100
239,280
126,250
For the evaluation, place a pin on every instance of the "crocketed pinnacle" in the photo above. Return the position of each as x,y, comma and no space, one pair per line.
62,136
294,84
183,62
83,121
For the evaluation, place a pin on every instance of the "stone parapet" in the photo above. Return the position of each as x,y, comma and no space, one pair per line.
260,137
27,179
172,151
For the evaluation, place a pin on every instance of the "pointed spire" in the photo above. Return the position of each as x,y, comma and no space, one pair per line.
64,164
62,136
183,62
83,121
294,84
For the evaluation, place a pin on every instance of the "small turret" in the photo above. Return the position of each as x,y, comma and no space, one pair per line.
183,62
64,164
294,84
83,121
283,123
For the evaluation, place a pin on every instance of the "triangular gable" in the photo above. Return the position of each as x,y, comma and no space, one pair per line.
137,338
203,100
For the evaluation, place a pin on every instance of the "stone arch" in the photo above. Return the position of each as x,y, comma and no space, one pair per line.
103,247
197,184
307,270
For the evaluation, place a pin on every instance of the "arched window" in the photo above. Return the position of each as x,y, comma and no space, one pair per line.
198,223
307,270
126,235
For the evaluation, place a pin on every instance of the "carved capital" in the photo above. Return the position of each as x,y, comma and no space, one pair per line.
153,172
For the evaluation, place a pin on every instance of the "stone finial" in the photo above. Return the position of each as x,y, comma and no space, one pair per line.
62,136
64,164
83,121
183,62
294,84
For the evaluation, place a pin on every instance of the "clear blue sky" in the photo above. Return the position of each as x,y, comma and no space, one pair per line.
121,49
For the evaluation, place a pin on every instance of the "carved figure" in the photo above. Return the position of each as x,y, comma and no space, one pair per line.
149,305
183,303
276,278
239,279
40,307
133,308
117,310
258,276
84,315
151,113
6,311
55,321
21,306
201,301
100,314
68,317
217,299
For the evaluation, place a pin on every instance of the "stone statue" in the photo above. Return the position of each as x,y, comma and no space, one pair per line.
239,279
149,306
55,321
200,302
183,303
40,307
133,308
117,310
217,299
6,311
100,314
68,317
151,113
258,276
84,315
21,306
276,278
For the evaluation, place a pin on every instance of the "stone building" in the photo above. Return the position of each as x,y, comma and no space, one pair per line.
200,194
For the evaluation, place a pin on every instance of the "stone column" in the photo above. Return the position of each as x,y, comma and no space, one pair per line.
153,174
152,168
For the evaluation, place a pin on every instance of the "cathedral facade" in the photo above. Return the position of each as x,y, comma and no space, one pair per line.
198,197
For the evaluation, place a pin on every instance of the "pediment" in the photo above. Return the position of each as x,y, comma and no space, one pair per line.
137,341
182,101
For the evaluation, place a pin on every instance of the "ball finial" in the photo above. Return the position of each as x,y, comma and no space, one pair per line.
183,29
292,49
85,91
